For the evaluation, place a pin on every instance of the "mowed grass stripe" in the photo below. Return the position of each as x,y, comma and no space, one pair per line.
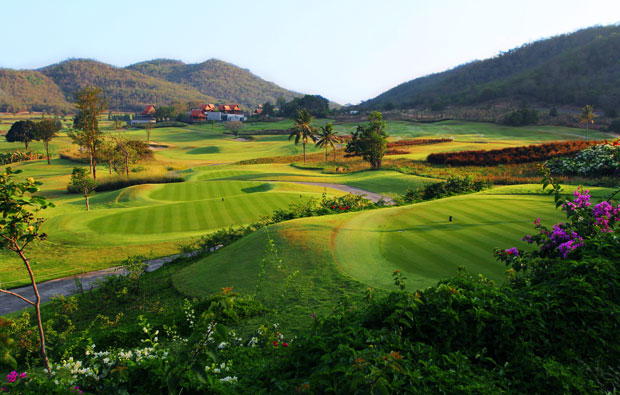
194,215
420,241
201,190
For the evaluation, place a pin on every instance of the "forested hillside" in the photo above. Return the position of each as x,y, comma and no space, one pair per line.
217,78
159,82
571,69
26,89
125,89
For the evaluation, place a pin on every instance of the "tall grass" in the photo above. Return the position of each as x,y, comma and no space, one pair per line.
117,181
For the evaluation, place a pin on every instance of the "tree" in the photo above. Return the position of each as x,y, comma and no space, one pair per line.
327,139
316,105
148,128
81,181
303,129
90,103
370,141
45,130
165,113
21,131
234,127
117,124
109,153
587,117
19,226
268,109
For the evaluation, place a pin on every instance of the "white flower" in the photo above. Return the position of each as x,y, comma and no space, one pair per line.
229,379
222,345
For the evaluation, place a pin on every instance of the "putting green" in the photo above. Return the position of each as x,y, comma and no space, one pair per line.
202,215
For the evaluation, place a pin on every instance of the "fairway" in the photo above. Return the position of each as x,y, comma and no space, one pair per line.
421,242
203,215
368,246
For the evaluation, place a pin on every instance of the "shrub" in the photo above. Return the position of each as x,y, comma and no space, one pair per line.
400,143
512,155
19,156
456,185
598,160
113,183
521,117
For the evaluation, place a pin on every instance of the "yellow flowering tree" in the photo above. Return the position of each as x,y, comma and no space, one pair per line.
20,226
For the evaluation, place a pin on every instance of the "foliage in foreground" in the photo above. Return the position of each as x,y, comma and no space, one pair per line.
551,328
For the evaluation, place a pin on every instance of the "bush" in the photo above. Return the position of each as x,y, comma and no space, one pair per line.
455,185
117,182
512,155
401,143
18,156
521,117
598,160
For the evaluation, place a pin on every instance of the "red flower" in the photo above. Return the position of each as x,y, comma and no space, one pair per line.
275,343
284,344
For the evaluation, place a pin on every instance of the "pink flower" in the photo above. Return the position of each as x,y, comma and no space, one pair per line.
11,377
275,343
512,251
23,375
284,344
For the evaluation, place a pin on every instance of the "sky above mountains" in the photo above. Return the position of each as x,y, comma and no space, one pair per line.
345,50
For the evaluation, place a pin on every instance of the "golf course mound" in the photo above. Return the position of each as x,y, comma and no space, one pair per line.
367,247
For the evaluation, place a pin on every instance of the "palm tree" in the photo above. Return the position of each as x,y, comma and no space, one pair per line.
327,139
587,117
303,129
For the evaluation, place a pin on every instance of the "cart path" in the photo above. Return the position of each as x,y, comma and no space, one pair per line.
375,197
67,285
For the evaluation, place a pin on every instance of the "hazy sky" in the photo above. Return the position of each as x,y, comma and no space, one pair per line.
344,50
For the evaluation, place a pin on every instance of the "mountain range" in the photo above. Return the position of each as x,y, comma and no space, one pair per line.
159,82
572,69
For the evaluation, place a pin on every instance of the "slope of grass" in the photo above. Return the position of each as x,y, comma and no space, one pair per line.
368,246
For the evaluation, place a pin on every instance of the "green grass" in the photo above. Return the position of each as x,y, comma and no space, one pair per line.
156,218
368,246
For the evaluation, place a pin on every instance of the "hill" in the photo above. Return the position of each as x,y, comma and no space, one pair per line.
217,78
567,70
159,82
125,89
26,89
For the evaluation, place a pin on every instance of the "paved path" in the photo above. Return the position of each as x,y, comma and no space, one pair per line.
375,197
66,286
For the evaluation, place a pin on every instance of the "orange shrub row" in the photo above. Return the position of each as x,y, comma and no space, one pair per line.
512,155
401,143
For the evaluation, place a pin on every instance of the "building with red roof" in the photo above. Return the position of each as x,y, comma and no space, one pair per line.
197,115
148,110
